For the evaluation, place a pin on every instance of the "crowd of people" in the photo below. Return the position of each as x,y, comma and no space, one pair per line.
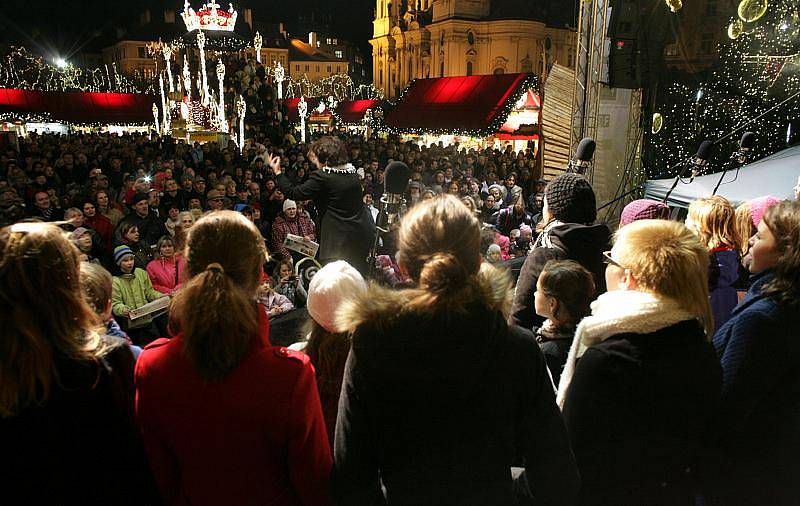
503,348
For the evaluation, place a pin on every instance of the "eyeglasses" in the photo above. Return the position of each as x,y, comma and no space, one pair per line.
609,260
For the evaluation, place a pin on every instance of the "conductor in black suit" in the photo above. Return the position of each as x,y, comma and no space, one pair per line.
346,229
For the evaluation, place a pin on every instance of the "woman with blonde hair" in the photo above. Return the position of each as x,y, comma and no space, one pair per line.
713,220
434,429
641,378
756,429
66,393
256,435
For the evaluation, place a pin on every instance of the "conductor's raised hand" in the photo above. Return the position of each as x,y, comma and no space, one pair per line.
275,164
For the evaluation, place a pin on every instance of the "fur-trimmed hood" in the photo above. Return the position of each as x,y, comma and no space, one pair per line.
380,307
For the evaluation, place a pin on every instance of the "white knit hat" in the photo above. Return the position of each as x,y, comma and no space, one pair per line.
330,287
288,203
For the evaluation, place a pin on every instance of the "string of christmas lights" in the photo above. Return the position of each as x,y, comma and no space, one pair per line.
22,70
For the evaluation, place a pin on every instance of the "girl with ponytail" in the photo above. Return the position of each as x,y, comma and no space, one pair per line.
228,418
440,397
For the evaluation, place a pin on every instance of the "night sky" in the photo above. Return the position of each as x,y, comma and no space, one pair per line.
66,27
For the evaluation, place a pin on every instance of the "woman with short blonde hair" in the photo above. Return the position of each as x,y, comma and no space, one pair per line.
641,379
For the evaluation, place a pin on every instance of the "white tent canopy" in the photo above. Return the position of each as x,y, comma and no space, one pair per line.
774,175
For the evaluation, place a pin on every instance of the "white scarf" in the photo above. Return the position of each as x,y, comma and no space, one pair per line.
619,312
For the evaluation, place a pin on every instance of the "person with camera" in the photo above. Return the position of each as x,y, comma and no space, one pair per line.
289,285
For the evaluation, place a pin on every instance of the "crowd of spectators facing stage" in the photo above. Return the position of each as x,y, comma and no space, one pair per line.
507,348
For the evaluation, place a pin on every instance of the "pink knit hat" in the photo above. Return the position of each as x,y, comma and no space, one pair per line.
644,209
759,206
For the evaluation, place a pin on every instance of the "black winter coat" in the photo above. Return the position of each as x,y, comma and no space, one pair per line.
571,241
345,229
637,410
82,446
438,409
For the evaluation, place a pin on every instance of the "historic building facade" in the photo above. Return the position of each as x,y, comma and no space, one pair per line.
443,38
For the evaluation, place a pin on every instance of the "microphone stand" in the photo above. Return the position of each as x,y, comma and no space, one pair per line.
675,183
735,157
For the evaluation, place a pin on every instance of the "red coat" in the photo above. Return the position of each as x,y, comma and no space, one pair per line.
255,437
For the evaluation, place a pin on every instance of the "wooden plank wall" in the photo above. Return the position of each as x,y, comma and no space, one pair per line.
559,91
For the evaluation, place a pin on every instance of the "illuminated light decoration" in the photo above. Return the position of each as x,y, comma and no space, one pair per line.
658,122
321,107
674,5
302,110
752,10
167,51
155,118
221,80
257,41
735,29
209,17
241,109
340,86
21,70
367,121
280,75
168,117
77,108
201,45
187,77
163,103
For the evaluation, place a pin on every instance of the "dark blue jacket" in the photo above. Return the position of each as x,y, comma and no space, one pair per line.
757,430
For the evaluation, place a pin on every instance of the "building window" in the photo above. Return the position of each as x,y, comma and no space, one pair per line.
671,50
603,120
328,41
711,7
317,68
441,69
469,68
335,42
141,52
707,43
471,38
307,68
338,69
339,53
499,70
297,68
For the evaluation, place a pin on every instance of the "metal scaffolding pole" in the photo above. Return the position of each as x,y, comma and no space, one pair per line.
592,28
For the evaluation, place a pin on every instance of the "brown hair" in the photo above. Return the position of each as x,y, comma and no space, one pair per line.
439,242
743,227
44,313
96,283
667,259
330,151
783,220
215,310
572,286
713,218
328,354
122,231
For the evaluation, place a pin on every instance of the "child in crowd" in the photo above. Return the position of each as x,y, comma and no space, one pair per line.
272,301
494,254
96,283
82,238
132,289
712,219
327,348
166,271
289,285
564,291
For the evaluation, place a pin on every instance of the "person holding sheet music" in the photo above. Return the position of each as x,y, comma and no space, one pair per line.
132,289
